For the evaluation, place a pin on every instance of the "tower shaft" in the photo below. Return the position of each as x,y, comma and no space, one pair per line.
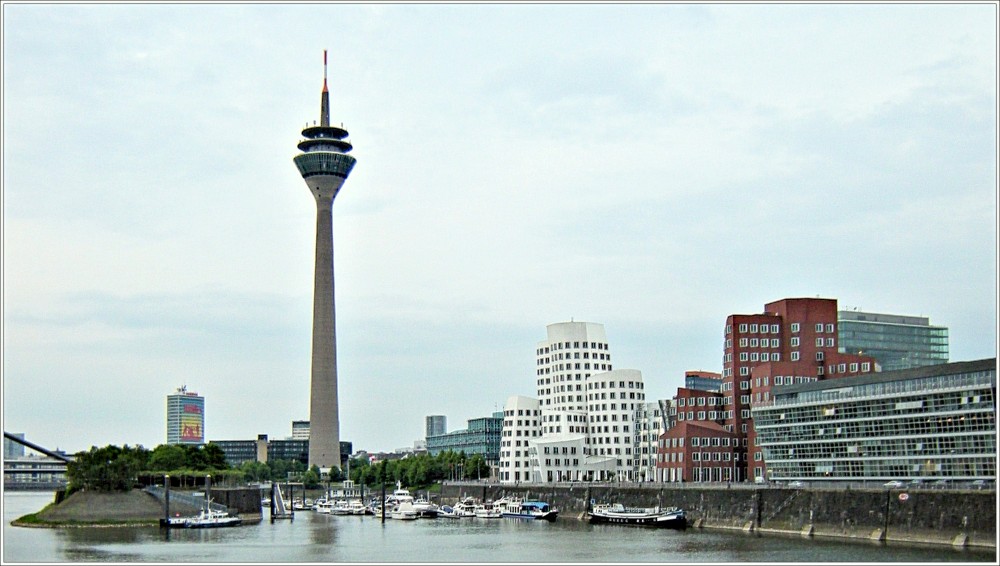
324,413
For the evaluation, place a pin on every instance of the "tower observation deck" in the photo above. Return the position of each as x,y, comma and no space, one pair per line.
324,164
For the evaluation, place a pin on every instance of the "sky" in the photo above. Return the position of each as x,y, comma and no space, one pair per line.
650,167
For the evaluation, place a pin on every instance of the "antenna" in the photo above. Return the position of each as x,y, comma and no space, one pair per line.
324,70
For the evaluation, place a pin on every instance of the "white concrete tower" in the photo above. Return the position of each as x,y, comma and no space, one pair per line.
324,165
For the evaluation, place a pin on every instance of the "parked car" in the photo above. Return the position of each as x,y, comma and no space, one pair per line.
893,483
796,483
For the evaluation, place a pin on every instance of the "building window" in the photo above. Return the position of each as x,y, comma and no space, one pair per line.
819,342
865,366
829,328
795,342
829,342
819,327
795,356
743,328
774,329
795,327
753,328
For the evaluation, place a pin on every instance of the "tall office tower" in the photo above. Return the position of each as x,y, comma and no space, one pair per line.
324,165
185,417
436,425
896,342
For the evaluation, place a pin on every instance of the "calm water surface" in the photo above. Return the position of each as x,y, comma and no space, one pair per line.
322,538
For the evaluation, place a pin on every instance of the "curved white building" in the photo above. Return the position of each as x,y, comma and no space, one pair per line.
613,400
586,413
571,353
521,422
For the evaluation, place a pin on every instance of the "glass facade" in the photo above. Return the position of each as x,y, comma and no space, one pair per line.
482,437
932,423
896,342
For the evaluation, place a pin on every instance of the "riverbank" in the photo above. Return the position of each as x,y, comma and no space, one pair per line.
102,509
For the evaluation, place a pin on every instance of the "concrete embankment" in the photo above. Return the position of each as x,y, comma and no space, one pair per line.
925,516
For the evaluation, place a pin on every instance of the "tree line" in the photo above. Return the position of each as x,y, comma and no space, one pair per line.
113,468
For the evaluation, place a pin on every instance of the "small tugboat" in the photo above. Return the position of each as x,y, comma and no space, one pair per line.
616,513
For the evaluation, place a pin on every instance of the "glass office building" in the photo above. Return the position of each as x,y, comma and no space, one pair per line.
931,423
481,437
896,342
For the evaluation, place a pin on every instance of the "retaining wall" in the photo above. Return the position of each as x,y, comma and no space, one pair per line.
949,517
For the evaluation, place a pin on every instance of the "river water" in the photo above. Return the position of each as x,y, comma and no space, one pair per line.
314,538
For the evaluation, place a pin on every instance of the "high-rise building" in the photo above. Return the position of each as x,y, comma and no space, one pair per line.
895,341
185,417
436,425
324,164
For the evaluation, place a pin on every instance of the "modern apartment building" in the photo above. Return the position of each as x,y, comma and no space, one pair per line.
930,423
185,417
895,341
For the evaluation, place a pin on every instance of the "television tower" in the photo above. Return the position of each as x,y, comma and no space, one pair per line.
324,165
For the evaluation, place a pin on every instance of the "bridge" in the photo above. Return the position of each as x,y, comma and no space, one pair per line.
33,472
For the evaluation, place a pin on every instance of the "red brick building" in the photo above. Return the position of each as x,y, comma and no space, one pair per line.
792,341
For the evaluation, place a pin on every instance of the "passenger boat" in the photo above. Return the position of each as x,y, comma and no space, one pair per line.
518,509
447,512
616,513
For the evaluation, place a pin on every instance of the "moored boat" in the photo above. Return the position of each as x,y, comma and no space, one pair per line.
209,518
487,510
465,508
519,509
616,513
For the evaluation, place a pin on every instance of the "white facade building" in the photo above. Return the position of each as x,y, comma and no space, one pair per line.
586,414
521,422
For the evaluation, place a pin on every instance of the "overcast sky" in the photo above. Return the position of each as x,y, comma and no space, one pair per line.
653,168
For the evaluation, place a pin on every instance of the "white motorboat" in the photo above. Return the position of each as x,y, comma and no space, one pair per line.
487,510
404,511
465,508
425,509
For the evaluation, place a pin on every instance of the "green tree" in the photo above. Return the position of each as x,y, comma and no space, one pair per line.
310,479
107,469
167,457
214,457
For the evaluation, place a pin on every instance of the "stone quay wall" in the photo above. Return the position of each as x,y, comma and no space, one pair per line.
927,516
